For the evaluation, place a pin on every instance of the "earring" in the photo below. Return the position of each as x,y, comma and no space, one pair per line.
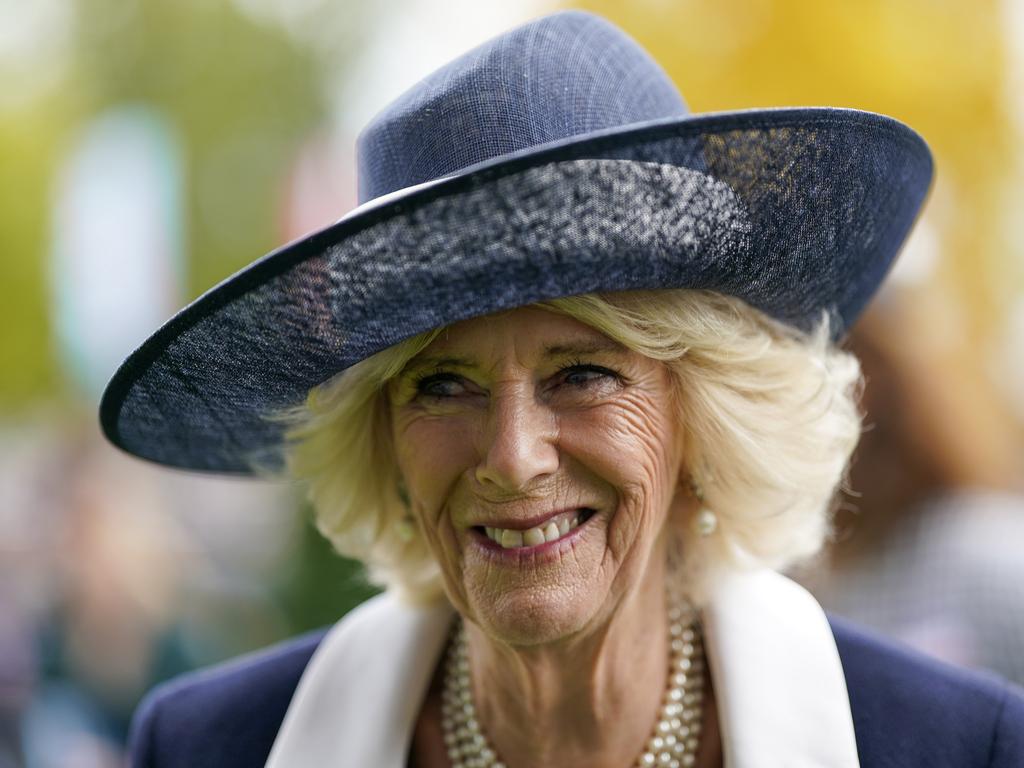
706,521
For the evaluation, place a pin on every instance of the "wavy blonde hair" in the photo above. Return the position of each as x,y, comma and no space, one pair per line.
770,415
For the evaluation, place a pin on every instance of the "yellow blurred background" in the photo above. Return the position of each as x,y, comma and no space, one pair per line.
149,148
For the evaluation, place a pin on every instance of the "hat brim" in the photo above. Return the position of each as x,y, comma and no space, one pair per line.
796,211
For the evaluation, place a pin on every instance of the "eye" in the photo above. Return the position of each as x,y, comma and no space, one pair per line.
440,385
586,375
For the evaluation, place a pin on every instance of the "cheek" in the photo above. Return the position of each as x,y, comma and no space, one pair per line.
632,449
432,455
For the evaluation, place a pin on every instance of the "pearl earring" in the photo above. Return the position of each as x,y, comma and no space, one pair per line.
706,521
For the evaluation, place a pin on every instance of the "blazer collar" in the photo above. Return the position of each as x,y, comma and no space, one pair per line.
779,686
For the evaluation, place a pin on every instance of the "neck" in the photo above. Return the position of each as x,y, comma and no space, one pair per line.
590,699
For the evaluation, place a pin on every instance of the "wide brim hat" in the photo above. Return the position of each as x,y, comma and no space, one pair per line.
557,159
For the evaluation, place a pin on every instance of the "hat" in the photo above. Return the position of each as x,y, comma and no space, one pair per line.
556,159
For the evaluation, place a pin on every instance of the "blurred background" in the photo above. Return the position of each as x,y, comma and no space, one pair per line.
150,148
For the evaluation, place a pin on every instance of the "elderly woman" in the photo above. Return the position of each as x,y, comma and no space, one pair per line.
570,389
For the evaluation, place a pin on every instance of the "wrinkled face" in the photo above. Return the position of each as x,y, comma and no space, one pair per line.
542,460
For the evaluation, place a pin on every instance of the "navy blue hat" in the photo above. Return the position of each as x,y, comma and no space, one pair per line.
556,159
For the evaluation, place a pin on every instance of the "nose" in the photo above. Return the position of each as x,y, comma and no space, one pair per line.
518,444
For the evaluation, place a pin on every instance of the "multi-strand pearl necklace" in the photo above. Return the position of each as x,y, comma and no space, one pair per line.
676,734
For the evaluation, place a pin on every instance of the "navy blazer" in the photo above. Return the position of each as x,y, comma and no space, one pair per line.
909,711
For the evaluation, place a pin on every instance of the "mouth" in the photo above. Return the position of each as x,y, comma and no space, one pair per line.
553,529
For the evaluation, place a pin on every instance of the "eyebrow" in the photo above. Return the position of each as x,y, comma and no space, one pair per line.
582,348
589,347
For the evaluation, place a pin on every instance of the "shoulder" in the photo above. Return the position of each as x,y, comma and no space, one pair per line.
227,715
911,710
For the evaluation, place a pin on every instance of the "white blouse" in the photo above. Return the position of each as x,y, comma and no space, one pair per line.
779,687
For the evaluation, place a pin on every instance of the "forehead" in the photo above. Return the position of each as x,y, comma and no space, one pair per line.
526,333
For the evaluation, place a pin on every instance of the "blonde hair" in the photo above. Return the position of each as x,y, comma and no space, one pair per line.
769,413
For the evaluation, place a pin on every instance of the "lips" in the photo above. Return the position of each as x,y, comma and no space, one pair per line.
552,527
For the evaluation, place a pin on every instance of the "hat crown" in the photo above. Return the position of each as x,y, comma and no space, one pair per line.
563,75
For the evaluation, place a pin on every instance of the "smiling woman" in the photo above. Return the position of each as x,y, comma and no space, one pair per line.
569,385
546,467
722,378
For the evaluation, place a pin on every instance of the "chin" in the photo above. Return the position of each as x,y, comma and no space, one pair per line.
526,617
537,595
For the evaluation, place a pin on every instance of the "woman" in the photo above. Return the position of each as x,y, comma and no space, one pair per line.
572,393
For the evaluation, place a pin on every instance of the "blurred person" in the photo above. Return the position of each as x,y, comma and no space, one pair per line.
567,383
931,551
17,678
129,594
103,593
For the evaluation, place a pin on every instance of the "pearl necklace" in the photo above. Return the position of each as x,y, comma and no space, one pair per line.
676,735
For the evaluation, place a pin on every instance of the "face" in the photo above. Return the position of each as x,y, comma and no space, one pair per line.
542,460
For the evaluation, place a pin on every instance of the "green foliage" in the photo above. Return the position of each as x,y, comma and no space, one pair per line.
316,586
241,95
28,366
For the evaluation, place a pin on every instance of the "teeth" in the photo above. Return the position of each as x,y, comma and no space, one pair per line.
554,529
532,537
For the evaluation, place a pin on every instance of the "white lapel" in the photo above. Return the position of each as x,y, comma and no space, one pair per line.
357,700
779,685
